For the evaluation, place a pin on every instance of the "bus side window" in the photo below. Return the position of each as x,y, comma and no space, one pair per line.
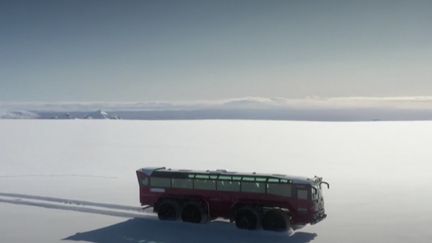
256,187
160,182
228,186
145,181
302,194
284,190
182,183
205,184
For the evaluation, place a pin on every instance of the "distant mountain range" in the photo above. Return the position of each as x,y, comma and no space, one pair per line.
257,108
99,114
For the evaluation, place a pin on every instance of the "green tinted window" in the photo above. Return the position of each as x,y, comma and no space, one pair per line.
205,184
145,181
279,189
253,187
273,180
302,194
229,186
228,178
160,182
201,176
182,183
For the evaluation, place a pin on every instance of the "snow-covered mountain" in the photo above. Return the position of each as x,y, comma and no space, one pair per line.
255,108
100,114
18,115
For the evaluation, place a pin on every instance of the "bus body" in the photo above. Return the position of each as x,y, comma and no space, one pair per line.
251,200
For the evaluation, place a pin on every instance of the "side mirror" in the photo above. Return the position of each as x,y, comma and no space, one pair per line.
318,180
325,183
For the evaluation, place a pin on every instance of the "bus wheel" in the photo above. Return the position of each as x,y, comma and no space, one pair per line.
168,210
247,218
275,220
194,213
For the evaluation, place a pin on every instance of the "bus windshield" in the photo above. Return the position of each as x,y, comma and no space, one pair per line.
315,193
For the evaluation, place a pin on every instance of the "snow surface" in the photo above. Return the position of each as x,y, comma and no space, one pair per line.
379,174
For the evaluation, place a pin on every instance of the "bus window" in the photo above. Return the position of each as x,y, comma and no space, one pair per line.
279,189
182,183
160,182
223,177
145,181
228,186
205,184
273,180
315,195
302,194
202,176
252,187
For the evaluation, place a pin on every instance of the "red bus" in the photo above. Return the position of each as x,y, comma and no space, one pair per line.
251,200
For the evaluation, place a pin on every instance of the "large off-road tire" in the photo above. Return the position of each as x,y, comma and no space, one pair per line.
247,218
168,210
194,212
275,220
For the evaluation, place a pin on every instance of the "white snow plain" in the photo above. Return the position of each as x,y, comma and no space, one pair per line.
379,175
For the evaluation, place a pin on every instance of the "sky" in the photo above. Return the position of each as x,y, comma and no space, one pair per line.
83,50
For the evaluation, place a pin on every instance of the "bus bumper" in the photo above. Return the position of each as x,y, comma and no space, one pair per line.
318,218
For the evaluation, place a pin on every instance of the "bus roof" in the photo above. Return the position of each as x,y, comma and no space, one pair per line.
177,172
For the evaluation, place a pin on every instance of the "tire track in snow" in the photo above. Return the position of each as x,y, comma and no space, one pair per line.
72,201
75,205
58,175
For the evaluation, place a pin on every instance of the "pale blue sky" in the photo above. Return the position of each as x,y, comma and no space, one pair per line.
197,50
